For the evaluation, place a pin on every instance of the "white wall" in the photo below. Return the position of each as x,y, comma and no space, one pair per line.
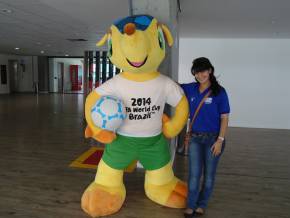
255,73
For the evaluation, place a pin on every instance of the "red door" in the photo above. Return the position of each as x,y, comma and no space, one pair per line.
76,81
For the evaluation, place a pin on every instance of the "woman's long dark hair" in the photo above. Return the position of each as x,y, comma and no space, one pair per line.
202,64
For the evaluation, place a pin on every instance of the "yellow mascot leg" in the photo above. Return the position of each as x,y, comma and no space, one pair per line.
162,187
106,194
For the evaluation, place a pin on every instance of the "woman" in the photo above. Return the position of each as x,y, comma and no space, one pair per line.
206,142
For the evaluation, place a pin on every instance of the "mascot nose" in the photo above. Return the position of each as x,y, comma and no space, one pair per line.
129,28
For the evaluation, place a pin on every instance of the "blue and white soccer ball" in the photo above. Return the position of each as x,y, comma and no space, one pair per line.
108,113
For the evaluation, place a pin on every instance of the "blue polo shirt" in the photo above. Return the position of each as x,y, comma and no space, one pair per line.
208,119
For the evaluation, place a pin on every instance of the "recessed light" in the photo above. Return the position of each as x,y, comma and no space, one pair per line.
42,52
66,55
38,43
77,40
17,48
5,10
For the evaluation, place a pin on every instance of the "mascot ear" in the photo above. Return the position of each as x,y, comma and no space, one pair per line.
167,34
103,40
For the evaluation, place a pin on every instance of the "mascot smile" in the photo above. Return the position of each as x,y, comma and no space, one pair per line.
136,44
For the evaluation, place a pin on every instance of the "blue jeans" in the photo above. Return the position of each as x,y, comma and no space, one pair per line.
201,160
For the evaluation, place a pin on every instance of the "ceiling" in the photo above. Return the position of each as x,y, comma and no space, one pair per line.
42,27
45,25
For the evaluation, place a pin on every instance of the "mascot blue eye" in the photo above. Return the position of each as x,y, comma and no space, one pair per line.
161,39
110,49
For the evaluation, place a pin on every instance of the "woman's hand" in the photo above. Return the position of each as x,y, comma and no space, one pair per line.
217,148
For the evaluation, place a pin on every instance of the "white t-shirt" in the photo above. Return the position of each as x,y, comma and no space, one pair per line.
144,102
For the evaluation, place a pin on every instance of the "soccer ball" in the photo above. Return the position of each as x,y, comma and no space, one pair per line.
108,113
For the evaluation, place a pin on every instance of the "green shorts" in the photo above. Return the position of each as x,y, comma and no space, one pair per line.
152,152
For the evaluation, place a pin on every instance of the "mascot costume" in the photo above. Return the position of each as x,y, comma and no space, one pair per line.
136,44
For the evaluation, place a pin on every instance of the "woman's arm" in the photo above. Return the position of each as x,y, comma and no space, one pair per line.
224,126
217,146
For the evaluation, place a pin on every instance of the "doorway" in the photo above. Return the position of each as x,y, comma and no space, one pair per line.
13,67
60,77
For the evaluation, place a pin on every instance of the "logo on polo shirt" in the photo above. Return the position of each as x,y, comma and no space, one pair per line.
192,98
208,101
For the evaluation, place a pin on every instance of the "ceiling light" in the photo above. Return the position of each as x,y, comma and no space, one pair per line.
66,55
5,10
17,48
42,52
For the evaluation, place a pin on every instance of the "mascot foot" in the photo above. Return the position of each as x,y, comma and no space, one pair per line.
177,198
172,194
99,200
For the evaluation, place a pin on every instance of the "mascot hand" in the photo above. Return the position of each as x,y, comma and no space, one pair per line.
167,128
165,119
103,136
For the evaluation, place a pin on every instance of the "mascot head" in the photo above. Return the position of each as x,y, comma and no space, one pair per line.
137,43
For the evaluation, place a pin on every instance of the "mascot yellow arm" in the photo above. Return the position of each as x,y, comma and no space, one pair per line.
171,127
93,131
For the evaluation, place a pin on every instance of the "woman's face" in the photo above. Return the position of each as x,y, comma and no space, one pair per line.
203,76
